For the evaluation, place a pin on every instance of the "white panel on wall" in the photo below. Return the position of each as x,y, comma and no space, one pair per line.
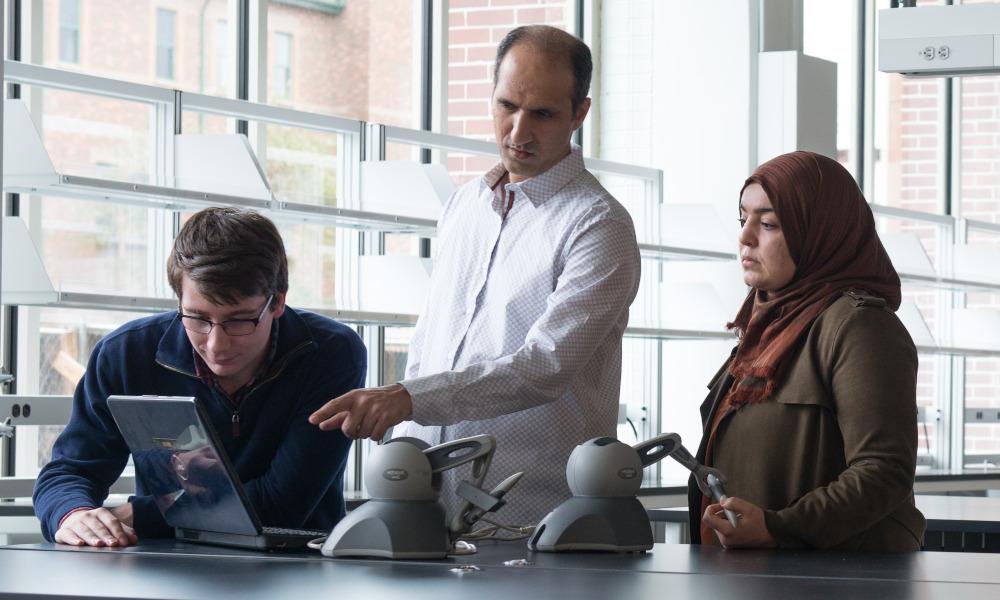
404,187
219,164
796,105
914,322
907,254
25,159
394,284
977,328
24,278
976,262
701,226
700,126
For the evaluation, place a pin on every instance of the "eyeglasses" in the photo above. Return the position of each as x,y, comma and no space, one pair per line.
234,327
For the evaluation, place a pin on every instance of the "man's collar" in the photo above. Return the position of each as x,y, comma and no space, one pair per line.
540,188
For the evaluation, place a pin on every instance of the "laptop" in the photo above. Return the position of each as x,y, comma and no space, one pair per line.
184,466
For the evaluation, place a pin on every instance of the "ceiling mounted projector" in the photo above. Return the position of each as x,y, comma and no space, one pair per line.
940,41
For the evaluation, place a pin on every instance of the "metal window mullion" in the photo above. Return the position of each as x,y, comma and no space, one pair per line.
9,319
954,158
944,145
242,61
993,228
28,324
375,151
6,448
262,112
953,446
163,225
913,215
577,14
426,68
753,81
14,41
952,443
867,118
654,418
72,81
351,150
859,94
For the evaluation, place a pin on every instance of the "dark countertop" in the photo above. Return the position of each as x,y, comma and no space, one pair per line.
178,570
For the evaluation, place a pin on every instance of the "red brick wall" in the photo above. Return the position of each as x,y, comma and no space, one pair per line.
475,27
979,184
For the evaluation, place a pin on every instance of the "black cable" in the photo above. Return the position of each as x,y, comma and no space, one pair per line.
927,440
632,425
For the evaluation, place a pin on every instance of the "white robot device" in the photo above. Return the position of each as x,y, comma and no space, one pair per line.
604,475
403,519
604,514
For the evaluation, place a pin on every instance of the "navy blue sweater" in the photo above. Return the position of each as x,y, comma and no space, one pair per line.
293,472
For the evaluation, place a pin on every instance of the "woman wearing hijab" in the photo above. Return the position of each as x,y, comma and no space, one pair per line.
813,418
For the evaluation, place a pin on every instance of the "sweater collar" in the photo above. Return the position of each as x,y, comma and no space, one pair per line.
174,350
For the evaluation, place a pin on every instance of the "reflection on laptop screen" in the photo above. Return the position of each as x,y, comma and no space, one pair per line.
178,465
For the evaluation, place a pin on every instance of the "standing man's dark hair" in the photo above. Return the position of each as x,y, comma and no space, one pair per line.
558,45
229,252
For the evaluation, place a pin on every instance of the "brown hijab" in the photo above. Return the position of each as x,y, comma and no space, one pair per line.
830,233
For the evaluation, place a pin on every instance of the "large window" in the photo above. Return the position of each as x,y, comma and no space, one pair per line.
335,84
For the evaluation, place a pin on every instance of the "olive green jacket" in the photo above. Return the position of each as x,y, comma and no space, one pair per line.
831,455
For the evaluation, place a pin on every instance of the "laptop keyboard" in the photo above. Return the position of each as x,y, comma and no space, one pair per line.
297,532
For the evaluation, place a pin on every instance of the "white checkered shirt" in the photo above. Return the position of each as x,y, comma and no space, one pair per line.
521,334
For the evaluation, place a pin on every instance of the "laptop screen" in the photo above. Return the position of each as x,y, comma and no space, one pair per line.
178,462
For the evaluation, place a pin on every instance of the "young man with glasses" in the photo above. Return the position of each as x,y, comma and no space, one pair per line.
260,368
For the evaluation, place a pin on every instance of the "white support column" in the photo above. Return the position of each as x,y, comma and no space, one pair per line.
796,94
439,79
796,104
257,132
780,25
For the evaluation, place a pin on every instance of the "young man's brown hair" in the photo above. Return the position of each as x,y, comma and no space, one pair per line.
229,254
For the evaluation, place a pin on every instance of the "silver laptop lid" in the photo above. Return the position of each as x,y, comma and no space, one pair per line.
179,461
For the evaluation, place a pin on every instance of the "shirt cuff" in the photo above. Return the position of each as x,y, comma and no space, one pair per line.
62,519
425,410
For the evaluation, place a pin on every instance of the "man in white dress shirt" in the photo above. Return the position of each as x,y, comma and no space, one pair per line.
536,267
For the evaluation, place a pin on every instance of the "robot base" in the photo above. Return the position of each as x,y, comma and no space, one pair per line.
602,524
397,529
